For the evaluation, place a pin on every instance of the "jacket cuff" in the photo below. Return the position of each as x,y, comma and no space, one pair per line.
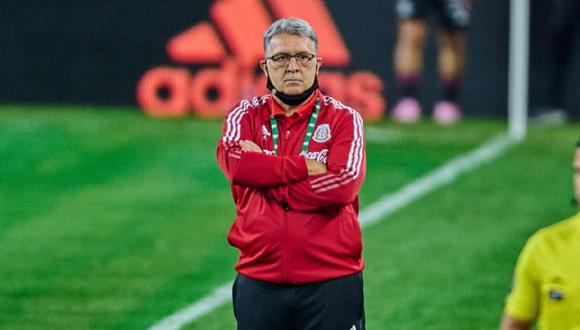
295,169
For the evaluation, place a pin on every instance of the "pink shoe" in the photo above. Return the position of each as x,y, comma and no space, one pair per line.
446,112
407,110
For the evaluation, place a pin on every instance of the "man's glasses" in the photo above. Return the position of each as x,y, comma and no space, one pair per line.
282,60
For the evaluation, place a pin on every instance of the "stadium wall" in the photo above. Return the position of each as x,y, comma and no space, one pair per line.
79,52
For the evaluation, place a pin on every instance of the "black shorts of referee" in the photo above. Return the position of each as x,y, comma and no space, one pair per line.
336,304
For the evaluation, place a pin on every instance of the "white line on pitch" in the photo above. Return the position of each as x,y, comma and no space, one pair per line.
372,214
382,135
194,311
433,180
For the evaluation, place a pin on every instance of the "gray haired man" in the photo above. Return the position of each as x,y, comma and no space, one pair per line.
296,161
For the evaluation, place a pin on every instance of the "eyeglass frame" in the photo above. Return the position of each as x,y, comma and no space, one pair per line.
293,56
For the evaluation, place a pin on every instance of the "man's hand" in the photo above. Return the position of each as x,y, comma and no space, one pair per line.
248,145
511,323
315,167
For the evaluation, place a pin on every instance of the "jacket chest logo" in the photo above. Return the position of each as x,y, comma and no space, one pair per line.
265,132
322,133
320,156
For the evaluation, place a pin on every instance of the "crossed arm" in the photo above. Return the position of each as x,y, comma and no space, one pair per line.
312,188
314,167
302,184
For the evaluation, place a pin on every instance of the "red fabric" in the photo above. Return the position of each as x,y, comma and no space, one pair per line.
291,227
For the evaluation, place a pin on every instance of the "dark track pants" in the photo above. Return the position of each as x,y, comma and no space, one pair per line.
336,304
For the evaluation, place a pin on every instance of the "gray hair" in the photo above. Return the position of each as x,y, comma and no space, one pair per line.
291,25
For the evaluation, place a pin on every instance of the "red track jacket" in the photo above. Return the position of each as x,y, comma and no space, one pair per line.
291,227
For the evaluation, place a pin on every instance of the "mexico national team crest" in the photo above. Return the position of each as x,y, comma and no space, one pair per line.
322,133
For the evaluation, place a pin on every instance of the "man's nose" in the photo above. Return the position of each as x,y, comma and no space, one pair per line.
293,65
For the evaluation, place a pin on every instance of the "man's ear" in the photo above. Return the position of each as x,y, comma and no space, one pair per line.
318,64
264,67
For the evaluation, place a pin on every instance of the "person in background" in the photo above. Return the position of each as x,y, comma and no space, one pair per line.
563,24
546,285
454,17
296,162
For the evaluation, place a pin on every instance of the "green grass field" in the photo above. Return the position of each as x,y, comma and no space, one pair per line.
110,219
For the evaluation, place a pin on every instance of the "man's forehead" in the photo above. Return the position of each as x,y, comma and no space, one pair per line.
284,40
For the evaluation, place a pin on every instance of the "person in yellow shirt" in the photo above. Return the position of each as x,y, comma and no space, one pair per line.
546,284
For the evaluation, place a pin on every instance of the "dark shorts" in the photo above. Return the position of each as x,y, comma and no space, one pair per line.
564,15
453,14
327,305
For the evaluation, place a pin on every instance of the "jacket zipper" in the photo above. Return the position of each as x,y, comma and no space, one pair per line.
285,242
282,151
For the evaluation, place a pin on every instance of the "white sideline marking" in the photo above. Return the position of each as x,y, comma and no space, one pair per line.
439,177
369,216
194,311
381,135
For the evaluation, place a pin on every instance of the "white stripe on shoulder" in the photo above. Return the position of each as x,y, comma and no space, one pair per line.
355,155
258,101
356,151
233,120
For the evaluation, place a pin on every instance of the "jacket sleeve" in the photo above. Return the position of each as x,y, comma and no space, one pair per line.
346,166
253,169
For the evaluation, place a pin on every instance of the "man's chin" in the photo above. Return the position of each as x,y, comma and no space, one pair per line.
293,90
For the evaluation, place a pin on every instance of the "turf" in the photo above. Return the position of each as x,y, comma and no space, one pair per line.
110,219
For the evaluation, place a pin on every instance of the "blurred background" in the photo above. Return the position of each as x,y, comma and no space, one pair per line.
76,52
113,212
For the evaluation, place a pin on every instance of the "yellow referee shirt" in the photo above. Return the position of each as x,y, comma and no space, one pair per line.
547,278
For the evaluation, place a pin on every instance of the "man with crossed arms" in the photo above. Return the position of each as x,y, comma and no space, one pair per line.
296,162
